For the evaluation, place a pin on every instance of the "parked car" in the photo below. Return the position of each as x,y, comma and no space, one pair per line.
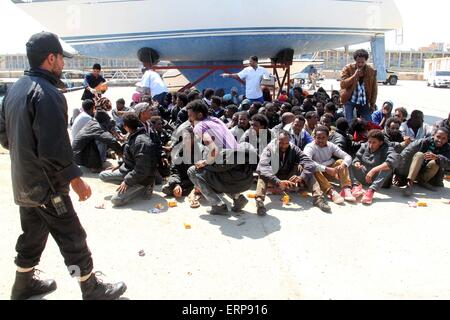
439,79
392,78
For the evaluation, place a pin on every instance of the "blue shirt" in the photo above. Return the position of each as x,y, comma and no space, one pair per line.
377,117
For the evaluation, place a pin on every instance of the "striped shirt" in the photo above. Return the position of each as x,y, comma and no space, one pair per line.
324,157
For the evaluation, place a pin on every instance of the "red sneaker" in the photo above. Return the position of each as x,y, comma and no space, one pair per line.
358,191
346,193
368,197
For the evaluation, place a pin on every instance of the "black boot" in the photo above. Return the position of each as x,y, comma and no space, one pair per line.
95,289
321,204
260,208
239,203
219,210
27,285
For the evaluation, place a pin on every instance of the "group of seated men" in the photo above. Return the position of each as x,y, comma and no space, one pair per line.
204,144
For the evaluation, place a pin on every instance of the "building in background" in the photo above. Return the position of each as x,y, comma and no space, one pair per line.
19,62
405,61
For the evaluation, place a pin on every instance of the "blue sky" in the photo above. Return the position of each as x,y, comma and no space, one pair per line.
424,22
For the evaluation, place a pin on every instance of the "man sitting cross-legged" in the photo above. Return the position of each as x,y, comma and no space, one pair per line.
136,175
425,161
325,153
284,165
373,166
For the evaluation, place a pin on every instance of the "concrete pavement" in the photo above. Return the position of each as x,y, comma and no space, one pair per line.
386,251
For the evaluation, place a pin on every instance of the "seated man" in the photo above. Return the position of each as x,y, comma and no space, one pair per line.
343,139
442,123
372,166
231,176
118,112
299,136
242,125
312,119
84,117
219,172
216,110
416,128
272,116
227,118
393,135
401,113
286,119
331,108
136,174
327,120
145,112
285,166
185,154
259,135
180,102
381,116
425,160
157,125
91,143
324,154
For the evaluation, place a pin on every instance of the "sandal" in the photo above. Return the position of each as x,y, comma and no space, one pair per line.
194,200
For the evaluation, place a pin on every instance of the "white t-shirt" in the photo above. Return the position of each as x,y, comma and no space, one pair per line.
253,80
152,80
79,123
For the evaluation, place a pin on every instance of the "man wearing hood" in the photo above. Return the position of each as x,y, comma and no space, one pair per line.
415,128
442,123
372,166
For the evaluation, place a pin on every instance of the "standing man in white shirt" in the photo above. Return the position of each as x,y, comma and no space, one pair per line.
151,82
252,75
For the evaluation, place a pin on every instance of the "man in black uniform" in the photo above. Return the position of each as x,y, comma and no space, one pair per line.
33,126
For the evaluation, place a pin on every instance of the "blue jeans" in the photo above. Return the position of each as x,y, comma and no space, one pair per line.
359,176
257,100
349,108
120,199
160,98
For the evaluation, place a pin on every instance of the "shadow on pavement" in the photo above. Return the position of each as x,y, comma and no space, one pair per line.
247,225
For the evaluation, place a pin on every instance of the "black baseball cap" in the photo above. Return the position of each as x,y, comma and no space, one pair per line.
43,43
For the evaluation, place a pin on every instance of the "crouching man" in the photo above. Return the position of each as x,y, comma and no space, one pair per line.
136,174
183,157
230,174
425,160
372,166
284,165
